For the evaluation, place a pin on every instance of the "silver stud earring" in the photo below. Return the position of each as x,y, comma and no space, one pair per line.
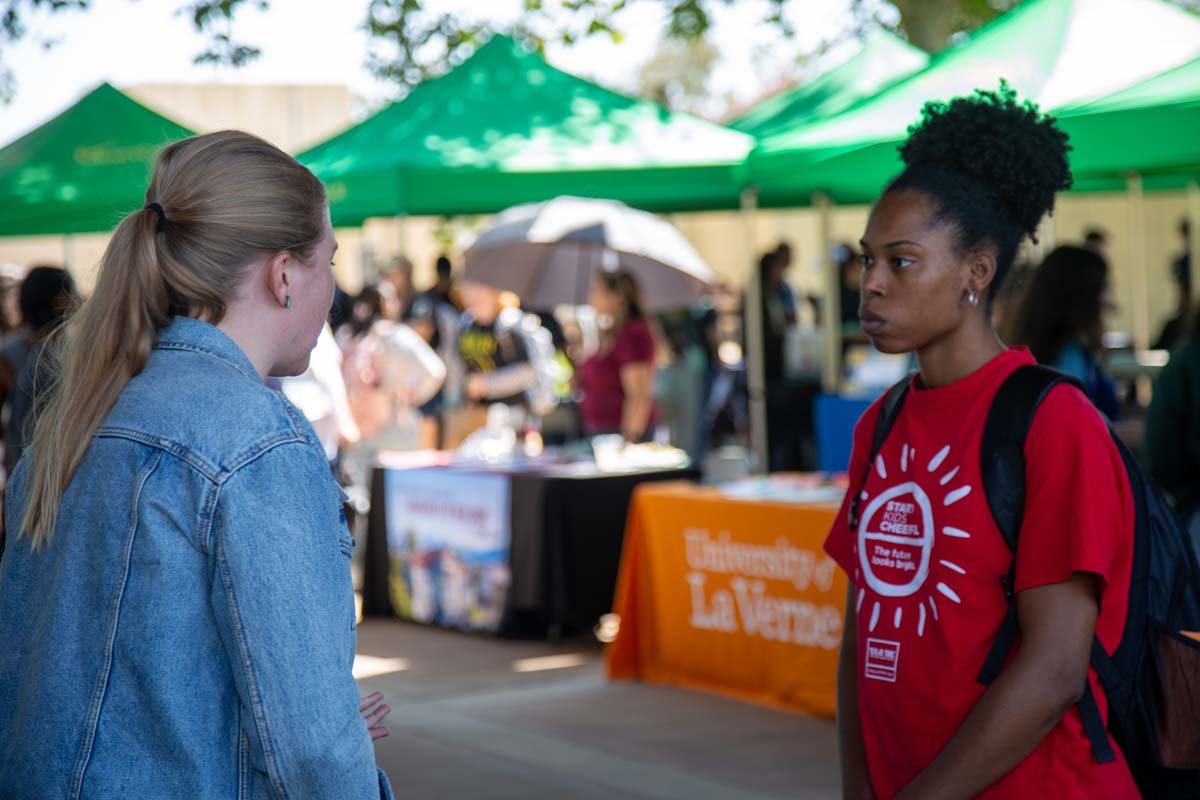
287,301
972,298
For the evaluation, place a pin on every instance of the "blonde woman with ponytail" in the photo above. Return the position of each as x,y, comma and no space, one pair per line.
176,612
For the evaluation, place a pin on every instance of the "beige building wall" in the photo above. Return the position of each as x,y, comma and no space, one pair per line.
292,117
80,253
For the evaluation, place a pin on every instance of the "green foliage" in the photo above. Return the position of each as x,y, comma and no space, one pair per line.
414,41
216,16
12,29
418,38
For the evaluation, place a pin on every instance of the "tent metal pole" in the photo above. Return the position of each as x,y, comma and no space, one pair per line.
1137,240
401,236
69,253
1193,213
1049,235
402,203
756,371
831,315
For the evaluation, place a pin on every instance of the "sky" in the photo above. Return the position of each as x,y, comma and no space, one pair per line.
130,42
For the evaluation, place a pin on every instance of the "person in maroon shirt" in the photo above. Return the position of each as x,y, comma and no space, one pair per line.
925,558
618,380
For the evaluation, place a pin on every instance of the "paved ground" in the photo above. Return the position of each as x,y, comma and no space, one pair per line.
484,718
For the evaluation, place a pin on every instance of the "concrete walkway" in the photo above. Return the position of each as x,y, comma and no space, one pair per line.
484,718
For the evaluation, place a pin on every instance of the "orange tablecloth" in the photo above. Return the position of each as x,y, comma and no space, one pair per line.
730,596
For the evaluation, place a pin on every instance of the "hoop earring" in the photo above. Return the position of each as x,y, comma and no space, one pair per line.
287,301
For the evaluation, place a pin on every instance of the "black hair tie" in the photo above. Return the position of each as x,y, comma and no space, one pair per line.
162,215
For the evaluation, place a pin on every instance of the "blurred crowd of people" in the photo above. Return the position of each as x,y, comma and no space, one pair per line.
400,369
30,309
1059,308
420,369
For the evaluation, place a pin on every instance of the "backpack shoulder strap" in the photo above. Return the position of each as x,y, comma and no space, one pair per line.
893,402
1002,463
1002,469
1002,451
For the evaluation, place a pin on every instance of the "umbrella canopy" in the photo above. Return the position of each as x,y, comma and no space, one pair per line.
550,253
884,59
505,127
1055,52
83,170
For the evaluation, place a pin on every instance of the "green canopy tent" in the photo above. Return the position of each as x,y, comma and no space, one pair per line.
505,127
1151,129
884,59
1058,53
1143,138
84,169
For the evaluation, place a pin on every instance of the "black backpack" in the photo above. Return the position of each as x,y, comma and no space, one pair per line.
1152,679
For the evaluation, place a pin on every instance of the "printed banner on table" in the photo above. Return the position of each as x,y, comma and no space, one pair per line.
732,596
773,590
448,541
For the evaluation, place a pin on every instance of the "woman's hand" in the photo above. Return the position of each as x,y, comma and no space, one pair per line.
373,711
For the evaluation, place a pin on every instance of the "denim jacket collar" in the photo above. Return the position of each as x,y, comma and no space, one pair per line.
186,333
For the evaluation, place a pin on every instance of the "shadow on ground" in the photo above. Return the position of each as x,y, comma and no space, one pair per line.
484,718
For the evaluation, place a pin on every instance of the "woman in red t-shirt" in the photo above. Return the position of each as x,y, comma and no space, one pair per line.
618,381
926,561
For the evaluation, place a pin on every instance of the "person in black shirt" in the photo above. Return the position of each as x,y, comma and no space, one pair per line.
495,361
498,369
47,297
444,289
1181,275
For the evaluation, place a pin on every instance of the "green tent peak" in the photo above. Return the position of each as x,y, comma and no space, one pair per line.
1059,54
83,169
503,112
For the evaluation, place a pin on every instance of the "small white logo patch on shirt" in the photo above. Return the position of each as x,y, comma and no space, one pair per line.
883,660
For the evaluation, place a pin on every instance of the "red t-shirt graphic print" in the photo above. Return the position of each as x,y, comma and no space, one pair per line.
927,563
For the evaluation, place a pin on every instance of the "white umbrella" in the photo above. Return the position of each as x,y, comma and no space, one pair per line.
550,253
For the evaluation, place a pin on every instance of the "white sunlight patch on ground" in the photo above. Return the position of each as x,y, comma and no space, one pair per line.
543,663
372,666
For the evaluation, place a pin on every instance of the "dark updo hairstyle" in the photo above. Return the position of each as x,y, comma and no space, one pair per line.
991,165
1064,303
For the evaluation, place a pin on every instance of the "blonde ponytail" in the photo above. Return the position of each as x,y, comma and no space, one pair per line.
227,198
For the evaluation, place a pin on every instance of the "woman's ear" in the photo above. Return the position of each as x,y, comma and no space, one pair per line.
981,270
278,268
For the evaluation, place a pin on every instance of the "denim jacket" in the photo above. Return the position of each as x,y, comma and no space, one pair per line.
189,630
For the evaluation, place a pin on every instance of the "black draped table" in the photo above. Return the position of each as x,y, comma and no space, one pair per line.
517,551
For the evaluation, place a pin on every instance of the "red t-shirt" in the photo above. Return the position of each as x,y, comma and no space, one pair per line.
928,560
600,378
